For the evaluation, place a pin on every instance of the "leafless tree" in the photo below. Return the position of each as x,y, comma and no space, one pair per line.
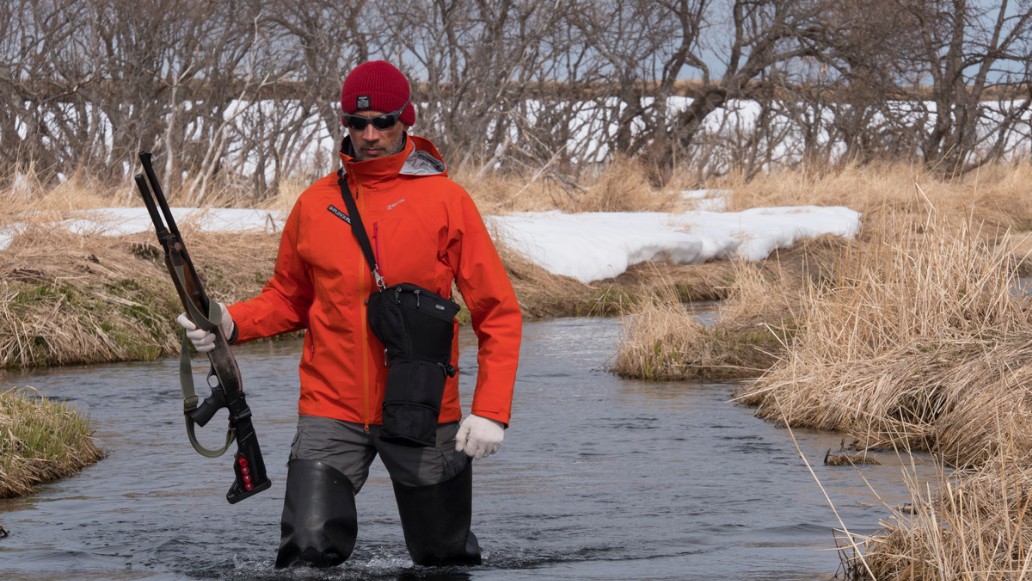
39,75
973,51
477,63
325,38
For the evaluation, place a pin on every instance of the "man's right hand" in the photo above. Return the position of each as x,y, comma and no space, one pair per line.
204,341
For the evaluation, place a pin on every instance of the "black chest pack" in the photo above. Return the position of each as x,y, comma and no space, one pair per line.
416,327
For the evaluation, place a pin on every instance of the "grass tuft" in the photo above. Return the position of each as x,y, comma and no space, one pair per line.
40,441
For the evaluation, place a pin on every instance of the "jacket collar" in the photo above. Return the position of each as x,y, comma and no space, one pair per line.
418,157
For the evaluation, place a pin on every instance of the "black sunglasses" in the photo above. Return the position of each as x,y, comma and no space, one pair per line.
381,122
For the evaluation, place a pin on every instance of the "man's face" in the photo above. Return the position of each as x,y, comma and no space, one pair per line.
371,143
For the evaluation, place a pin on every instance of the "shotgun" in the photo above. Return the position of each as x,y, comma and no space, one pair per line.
227,389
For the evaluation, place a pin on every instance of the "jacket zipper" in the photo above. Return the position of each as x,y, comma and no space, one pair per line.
379,267
363,292
376,247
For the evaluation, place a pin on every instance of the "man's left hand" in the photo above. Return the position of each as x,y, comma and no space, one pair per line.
479,437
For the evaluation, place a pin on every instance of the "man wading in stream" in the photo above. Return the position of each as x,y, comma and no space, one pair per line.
422,228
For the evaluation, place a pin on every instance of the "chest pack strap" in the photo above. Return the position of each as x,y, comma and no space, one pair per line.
359,229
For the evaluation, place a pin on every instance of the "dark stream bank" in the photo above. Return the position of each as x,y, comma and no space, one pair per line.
599,478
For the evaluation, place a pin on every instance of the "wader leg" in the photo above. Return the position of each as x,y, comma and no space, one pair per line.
319,524
436,521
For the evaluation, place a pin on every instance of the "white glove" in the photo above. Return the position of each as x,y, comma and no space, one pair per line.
202,340
479,437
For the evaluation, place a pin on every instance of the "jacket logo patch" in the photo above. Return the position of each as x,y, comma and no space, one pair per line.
393,205
333,210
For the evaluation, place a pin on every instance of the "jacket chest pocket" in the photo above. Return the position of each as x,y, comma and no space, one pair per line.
326,244
407,246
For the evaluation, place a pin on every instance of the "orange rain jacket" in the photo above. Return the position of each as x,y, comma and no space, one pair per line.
424,229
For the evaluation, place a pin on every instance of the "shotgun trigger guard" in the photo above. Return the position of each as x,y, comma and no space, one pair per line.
213,379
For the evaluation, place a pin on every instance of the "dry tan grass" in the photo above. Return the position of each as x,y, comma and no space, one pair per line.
542,294
762,295
995,197
710,281
919,342
621,186
897,210
758,316
882,353
29,202
657,340
67,298
975,524
496,193
849,458
909,338
663,340
284,198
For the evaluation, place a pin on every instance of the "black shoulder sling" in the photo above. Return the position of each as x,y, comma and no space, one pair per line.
416,327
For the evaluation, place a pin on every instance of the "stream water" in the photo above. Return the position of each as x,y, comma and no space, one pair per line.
599,478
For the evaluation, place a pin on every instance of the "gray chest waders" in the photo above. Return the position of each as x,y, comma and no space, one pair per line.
319,523
436,521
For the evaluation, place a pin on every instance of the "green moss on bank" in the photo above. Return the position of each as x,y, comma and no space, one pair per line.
40,441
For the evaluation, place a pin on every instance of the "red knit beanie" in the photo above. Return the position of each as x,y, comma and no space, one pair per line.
377,86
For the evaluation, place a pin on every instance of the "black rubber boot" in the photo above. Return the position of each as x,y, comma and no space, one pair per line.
436,521
319,523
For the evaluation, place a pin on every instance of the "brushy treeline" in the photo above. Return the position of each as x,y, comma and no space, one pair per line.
242,95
